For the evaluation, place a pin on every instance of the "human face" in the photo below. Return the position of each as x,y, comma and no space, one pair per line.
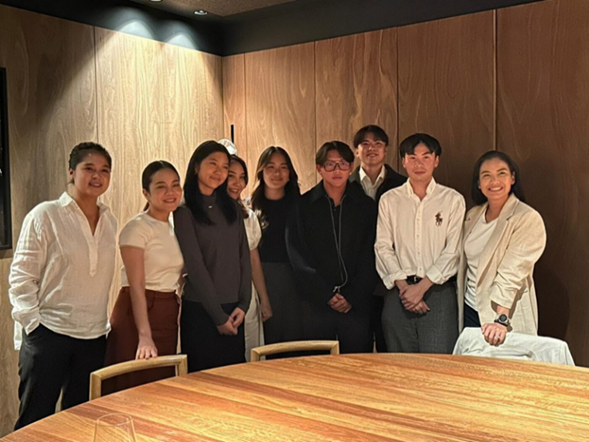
338,177
91,176
212,172
420,164
276,173
372,152
165,192
495,180
235,180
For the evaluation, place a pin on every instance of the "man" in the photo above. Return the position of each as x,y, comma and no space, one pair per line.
375,177
417,240
330,244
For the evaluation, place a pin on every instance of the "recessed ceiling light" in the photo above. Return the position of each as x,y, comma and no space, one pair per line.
155,1
200,12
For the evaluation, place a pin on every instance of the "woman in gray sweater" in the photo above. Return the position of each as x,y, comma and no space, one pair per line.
213,241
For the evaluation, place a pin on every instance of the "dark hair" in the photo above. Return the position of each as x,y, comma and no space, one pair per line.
342,148
516,188
238,160
409,144
192,194
150,170
377,132
291,190
80,152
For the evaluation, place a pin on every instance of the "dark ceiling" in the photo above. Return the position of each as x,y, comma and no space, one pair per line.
237,26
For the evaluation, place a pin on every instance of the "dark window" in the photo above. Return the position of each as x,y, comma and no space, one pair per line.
5,224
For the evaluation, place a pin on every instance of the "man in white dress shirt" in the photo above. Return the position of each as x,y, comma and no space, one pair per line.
417,240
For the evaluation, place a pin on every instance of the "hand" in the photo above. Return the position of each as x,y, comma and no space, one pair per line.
265,310
237,318
411,296
494,333
228,328
421,308
339,304
146,349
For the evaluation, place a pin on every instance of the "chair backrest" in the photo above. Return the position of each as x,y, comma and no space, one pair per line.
96,378
283,347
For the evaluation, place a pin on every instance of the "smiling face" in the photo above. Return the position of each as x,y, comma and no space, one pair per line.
212,172
165,192
91,176
371,151
335,171
420,164
276,173
495,180
236,180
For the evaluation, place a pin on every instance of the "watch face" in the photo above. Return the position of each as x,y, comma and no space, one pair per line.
503,318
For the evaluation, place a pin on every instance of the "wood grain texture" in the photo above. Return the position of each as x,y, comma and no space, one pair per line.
234,102
446,89
51,107
280,106
543,110
385,397
356,83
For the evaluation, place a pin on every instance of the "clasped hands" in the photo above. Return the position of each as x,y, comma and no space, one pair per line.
339,303
411,295
235,319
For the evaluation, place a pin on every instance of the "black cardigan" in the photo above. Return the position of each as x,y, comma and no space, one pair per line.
311,246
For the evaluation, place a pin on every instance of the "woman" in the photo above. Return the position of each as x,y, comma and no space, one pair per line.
59,284
144,320
273,200
502,239
213,241
259,310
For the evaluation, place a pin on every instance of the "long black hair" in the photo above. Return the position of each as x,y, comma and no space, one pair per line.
150,170
516,188
192,194
239,160
292,189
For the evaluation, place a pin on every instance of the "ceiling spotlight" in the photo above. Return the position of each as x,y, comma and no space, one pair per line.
155,1
200,12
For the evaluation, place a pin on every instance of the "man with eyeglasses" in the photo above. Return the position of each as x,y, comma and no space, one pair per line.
375,178
330,242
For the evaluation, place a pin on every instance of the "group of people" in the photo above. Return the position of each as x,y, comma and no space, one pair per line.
367,256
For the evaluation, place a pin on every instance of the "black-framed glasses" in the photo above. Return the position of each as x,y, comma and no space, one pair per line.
330,166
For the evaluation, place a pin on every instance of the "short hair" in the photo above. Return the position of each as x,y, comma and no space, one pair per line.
342,148
80,151
516,188
377,132
409,144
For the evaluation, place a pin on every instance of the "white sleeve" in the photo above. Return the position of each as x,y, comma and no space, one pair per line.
253,230
136,233
387,263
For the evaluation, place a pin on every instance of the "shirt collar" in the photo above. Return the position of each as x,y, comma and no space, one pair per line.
379,178
65,200
431,187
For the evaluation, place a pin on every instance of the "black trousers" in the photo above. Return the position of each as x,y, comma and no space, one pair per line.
351,329
376,318
203,344
49,363
471,317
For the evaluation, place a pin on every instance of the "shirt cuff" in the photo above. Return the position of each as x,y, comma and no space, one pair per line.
501,297
389,280
28,321
435,276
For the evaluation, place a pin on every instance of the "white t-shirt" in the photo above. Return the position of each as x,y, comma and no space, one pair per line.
162,255
252,229
473,248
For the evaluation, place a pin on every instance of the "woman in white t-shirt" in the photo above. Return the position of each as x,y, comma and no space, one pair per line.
260,309
144,320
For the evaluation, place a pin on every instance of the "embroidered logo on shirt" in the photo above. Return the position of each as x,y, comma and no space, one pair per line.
439,219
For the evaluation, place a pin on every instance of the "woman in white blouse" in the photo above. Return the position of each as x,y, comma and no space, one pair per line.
502,239
260,309
144,320
60,279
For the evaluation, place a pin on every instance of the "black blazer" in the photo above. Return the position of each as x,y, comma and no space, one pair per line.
391,180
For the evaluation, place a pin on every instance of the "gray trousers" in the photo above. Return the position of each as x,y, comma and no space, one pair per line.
433,332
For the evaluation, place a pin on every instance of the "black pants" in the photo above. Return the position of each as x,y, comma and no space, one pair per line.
471,317
376,318
203,344
351,329
49,362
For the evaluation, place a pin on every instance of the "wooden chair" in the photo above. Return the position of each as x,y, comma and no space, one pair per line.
282,347
96,378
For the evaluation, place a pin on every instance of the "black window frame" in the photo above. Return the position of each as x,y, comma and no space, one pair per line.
5,163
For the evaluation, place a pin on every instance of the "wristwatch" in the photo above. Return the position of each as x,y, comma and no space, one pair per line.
503,319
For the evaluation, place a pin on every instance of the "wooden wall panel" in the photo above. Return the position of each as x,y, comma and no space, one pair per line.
52,107
234,102
356,82
446,89
543,115
280,106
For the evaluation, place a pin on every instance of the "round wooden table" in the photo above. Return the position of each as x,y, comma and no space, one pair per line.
375,397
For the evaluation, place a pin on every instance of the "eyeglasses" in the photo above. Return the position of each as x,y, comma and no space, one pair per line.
330,166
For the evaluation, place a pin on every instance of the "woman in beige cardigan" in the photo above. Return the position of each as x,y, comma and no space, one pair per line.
502,239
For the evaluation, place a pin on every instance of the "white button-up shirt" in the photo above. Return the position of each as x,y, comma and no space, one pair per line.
371,189
419,237
61,274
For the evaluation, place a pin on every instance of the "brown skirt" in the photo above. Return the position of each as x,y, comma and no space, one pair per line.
162,311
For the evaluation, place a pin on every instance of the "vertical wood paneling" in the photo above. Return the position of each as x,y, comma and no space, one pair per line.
234,102
280,106
356,81
543,115
51,107
446,89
